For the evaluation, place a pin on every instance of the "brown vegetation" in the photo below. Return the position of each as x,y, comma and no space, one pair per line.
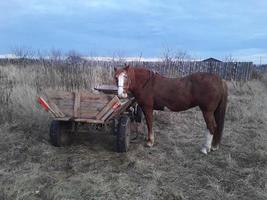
31,168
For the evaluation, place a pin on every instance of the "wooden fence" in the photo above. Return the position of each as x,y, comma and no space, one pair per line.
239,71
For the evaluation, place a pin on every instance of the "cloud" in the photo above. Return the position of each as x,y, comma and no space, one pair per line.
202,27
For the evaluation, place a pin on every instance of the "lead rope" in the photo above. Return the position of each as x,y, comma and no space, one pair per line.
131,82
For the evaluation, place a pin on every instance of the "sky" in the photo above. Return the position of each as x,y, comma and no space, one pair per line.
147,28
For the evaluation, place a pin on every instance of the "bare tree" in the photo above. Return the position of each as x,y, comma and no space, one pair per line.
74,57
229,58
23,52
167,55
181,56
55,54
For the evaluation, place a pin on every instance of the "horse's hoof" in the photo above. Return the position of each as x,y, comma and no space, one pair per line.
215,148
149,144
205,150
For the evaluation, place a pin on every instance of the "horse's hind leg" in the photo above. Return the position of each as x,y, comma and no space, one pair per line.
211,125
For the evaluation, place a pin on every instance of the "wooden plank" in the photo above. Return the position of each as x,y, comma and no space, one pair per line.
124,106
87,96
92,102
66,109
54,107
93,106
76,107
88,115
87,109
107,107
90,110
68,97
53,94
67,112
83,105
107,89
94,121
85,115
63,118
112,109
65,102
83,110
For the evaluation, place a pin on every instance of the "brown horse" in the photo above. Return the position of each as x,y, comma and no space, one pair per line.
155,92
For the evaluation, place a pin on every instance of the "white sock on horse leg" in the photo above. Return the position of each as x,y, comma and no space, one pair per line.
207,145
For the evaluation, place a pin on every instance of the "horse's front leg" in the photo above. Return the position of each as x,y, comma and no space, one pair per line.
148,112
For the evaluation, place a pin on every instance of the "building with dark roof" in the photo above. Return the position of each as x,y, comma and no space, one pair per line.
211,60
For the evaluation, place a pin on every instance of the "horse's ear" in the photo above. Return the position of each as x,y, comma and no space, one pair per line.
126,66
115,69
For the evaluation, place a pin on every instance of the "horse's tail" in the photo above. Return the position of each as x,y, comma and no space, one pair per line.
220,115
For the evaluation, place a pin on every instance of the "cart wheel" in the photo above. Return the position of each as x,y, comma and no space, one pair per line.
138,114
114,126
60,133
123,134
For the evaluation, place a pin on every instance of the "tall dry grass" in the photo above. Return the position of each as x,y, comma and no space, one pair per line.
22,84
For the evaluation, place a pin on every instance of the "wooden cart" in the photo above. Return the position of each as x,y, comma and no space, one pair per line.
71,108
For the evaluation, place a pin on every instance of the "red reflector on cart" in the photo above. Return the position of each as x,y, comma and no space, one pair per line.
42,102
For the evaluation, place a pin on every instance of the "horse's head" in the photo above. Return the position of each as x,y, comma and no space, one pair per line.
122,78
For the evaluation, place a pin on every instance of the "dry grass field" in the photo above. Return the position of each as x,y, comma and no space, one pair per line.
31,168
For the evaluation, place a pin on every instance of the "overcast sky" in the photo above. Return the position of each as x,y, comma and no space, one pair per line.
205,28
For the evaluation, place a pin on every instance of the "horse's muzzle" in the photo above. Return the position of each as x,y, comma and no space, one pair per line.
121,92
123,95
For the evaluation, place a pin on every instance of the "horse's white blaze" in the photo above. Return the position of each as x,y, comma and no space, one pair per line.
121,81
207,145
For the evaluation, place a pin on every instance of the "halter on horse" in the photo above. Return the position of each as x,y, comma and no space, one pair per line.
155,92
